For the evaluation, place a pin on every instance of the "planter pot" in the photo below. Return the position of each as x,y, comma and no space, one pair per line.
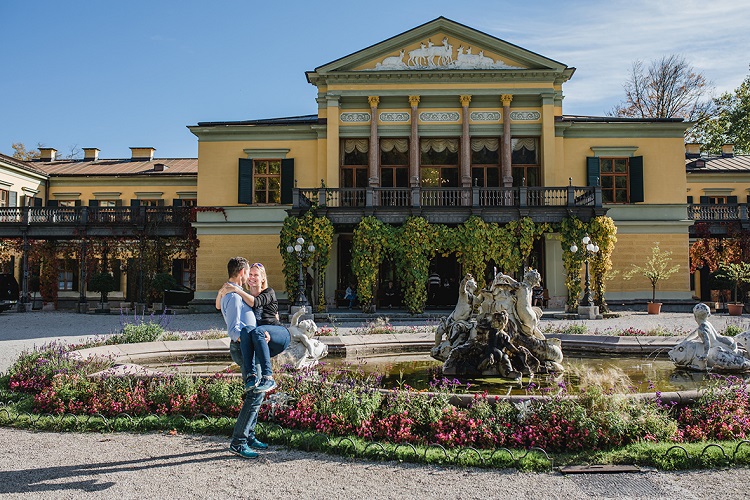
735,309
654,307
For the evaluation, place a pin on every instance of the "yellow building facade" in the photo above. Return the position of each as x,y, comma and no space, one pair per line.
441,109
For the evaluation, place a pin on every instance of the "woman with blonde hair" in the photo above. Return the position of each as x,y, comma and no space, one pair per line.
262,299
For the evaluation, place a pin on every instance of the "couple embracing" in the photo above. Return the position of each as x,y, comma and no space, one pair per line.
256,335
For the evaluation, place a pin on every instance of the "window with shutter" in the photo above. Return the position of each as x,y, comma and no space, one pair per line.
621,179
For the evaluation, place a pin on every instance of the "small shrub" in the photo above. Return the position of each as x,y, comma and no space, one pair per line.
733,330
575,329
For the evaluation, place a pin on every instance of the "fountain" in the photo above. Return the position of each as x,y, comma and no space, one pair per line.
495,332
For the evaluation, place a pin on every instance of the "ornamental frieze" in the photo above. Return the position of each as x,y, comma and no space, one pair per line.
355,117
394,117
443,56
521,116
439,116
484,116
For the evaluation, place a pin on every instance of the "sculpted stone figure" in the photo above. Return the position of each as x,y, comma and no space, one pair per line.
705,349
303,351
495,331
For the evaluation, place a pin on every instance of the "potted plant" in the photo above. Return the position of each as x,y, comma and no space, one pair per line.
655,269
735,273
103,283
161,283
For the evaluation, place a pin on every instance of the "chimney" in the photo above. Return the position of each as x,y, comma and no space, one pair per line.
90,154
47,154
142,154
727,151
693,150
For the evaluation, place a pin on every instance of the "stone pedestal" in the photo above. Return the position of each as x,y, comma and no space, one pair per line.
588,312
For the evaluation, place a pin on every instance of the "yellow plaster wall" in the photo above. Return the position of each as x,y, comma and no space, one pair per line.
635,249
718,185
127,188
218,167
216,250
663,165
18,180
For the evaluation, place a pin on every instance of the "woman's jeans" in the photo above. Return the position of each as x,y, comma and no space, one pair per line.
255,349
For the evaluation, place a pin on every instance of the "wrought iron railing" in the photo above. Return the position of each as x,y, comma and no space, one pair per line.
93,216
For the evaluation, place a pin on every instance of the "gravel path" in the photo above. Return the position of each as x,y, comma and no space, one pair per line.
119,465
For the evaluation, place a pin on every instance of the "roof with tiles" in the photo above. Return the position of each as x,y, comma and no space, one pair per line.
23,165
726,164
172,166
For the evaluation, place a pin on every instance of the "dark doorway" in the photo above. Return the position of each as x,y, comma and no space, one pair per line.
443,281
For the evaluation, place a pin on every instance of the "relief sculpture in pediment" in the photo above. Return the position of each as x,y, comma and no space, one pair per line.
445,56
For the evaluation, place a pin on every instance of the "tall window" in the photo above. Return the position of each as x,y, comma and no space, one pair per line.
485,162
614,179
67,203
266,181
394,162
150,203
439,162
189,202
67,275
525,161
354,165
4,197
108,203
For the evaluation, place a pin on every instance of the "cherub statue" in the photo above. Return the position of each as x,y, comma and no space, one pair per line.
705,349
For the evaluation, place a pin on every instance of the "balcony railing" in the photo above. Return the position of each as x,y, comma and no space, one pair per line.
519,197
125,219
702,212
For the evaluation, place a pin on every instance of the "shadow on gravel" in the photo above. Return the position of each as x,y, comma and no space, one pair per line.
61,478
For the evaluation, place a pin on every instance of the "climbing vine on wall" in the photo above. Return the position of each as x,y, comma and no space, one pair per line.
372,241
417,242
315,230
602,230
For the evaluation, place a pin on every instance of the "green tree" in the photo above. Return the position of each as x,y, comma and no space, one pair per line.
730,124
656,268
669,88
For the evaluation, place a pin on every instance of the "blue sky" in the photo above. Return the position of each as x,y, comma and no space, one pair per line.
136,73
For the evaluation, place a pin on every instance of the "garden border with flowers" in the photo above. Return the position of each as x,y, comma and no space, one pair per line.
346,413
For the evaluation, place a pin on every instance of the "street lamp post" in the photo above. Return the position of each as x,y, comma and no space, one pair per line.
302,253
590,249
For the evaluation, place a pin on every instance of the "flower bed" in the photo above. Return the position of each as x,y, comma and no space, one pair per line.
49,380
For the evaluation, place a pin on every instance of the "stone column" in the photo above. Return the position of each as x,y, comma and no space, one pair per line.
374,145
465,142
505,161
414,142
332,141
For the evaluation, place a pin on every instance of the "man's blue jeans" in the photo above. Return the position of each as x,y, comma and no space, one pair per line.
244,429
257,352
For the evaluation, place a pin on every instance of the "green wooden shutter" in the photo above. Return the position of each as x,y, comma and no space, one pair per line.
135,203
52,203
93,203
176,202
245,183
690,199
12,199
592,171
78,203
636,179
704,200
287,180
731,199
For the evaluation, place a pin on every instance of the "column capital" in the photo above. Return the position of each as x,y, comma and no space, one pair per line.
374,101
465,100
506,98
414,101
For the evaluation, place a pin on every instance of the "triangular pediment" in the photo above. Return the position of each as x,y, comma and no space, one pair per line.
441,45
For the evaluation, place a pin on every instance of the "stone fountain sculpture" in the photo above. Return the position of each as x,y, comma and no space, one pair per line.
304,351
496,331
707,350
